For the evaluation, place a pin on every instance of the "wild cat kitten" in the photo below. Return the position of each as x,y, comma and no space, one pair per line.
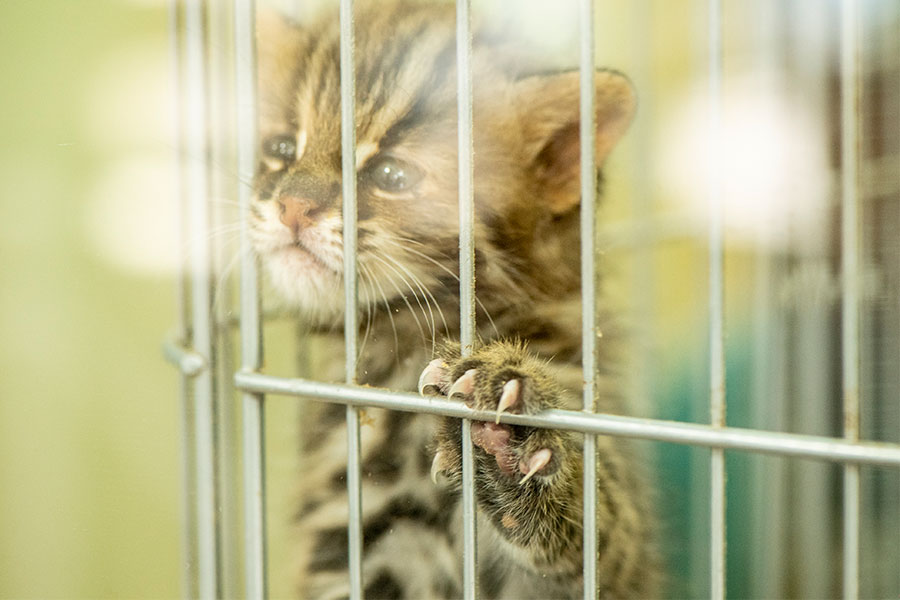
528,481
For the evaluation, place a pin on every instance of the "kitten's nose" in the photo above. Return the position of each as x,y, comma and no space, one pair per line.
296,213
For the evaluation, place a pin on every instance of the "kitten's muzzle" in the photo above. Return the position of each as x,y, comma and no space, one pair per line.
298,213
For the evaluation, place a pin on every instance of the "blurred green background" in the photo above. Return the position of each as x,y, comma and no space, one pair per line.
88,409
89,416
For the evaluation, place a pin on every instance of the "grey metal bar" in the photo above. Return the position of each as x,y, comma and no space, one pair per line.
768,520
466,277
731,438
188,362
253,422
351,323
716,305
219,65
850,282
197,189
588,291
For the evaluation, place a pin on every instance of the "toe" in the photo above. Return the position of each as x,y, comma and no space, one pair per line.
464,386
512,391
535,463
431,378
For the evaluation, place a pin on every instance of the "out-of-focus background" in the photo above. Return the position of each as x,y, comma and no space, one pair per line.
88,410
90,478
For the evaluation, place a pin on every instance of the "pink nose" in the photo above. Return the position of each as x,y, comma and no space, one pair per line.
294,212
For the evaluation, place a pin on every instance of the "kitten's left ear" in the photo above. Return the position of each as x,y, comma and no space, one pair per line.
550,113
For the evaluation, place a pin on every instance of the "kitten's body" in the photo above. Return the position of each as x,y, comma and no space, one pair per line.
526,182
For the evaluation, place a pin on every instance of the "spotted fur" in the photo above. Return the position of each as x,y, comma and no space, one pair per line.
527,275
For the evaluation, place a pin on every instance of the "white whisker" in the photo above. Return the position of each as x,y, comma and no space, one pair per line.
403,296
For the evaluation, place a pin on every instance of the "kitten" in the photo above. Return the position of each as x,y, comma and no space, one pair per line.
528,481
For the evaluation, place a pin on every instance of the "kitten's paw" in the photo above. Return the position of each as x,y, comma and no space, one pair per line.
500,378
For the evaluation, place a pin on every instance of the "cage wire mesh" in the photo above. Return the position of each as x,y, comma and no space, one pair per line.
768,137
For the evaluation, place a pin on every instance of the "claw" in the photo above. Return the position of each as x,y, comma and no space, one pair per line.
436,467
509,396
538,461
430,379
463,386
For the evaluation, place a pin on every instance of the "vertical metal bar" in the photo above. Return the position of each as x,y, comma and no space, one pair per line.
767,518
850,263
811,346
188,465
588,290
466,276
219,73
253,422
351,325
716,306
208,531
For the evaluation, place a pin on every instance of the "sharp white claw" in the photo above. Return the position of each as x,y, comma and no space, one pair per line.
538,461
430,379
509,397
436,467
463,386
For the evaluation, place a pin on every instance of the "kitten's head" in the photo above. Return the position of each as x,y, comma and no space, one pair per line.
526,163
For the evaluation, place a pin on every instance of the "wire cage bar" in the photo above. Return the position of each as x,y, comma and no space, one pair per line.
253,421
716,305
351,327
193,347
467,330
189,363
850,267
589,330
202,328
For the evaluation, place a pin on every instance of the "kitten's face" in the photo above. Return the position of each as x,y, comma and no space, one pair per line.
406,161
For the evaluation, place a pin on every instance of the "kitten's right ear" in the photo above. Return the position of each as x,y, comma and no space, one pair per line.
550,113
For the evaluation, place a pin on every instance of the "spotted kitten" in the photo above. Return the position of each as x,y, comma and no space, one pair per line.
528,481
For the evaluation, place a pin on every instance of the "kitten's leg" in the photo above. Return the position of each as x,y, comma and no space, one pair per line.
529,480
407,548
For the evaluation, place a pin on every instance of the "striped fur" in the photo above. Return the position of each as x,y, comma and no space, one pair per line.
527,275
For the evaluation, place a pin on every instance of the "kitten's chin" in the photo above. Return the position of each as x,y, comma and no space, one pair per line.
305,283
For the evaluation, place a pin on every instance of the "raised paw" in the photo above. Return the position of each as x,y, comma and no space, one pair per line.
499,378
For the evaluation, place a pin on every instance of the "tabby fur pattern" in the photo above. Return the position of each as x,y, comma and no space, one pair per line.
528,316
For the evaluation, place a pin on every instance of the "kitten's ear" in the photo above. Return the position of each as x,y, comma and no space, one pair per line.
550,111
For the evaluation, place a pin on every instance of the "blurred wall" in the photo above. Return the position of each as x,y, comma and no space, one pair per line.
88,414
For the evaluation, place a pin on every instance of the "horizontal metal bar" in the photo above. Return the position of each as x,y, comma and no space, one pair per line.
731,438
188,362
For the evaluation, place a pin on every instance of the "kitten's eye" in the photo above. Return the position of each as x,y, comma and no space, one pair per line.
280,147
393,175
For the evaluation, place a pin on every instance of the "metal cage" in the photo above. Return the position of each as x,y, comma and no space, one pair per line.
212,541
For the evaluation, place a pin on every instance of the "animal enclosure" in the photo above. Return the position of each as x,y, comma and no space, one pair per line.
753,215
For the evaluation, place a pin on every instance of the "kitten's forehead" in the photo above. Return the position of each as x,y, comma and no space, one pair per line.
404,55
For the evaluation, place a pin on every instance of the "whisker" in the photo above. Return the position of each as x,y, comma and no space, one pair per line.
454,276
428,297
403,296
387,308
367,288
220,289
